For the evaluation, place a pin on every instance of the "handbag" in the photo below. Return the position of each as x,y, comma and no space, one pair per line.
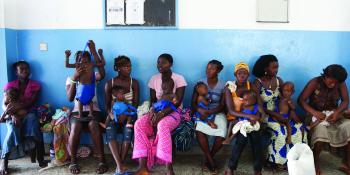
183,135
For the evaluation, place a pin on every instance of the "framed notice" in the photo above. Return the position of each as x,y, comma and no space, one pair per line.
142,13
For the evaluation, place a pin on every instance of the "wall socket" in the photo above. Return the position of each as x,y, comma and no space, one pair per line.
43,47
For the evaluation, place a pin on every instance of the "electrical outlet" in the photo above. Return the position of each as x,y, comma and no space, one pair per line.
43,46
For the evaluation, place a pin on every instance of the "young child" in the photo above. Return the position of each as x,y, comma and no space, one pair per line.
286,110
121,111
86,85
168,98
203,102
245,125
12,96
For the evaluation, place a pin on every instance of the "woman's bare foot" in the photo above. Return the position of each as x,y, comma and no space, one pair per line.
318,172
281,167
344,168
170,169
90,114
142,171
122,170
170,172
257,173
229,172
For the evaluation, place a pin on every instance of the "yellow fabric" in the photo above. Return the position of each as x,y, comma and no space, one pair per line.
237,103
241,65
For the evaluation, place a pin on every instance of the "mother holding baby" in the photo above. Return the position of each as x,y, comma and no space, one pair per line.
320,99
153,131
215,107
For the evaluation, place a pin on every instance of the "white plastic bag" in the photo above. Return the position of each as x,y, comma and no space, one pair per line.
300,160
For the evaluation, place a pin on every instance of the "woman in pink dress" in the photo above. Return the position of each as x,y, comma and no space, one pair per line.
156,146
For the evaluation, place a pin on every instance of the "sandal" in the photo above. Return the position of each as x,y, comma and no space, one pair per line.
102,168
74,168
125,173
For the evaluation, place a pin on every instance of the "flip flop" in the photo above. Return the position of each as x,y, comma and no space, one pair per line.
102,168
74,167
125,173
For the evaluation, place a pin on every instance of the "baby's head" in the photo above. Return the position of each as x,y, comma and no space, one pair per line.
201,88
249,98
168,86
12,94
118,93
85,57
287,89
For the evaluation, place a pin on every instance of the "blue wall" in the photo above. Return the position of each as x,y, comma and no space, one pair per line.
3,61
8,52
302,54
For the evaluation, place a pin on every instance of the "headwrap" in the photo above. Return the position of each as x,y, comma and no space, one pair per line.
241,65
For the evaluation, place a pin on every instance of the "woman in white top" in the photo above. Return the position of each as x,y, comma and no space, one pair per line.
91,123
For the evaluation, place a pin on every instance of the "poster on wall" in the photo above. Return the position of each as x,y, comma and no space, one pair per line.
143,13
134,12
115,13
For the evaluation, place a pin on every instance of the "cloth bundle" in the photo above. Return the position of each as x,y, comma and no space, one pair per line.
245,127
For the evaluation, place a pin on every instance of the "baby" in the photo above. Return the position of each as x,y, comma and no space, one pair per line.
86,83
203,102
12,96
245,125
121,111
168,98
286,108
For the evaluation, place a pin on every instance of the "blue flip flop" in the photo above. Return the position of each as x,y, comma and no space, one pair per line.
125,173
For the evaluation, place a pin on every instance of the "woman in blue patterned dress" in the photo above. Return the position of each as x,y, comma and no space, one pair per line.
268,84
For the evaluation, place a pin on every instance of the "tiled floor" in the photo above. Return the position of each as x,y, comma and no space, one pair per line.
185,164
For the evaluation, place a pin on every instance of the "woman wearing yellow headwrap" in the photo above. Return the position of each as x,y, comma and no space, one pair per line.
234,91
233,99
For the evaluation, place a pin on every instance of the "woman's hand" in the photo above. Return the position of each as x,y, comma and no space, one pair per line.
253,118
319,115
12,108
156,118
16,121
333,117
78,71
203,112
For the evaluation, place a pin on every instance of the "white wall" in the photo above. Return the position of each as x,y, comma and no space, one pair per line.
238,14
2,14
198,14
